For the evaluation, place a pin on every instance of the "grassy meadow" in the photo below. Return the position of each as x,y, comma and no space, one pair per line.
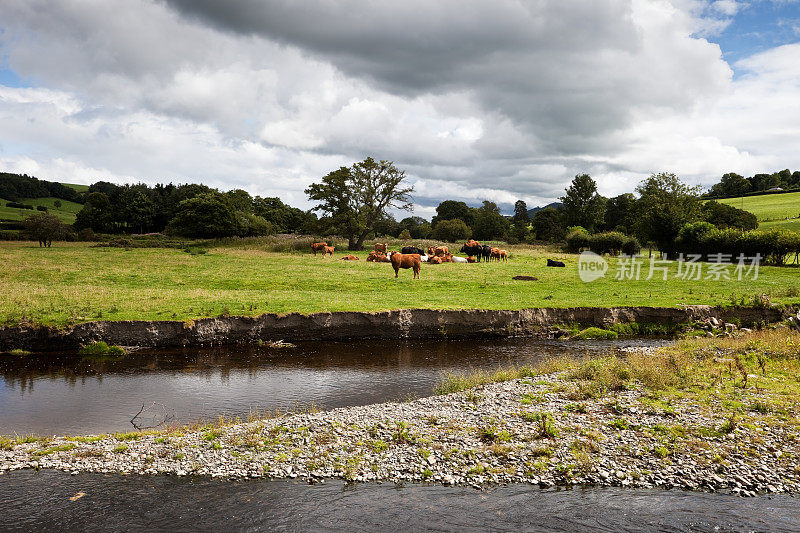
772,210
75,282
66,213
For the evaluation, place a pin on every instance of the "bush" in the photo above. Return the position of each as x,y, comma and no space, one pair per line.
451,230
17,205
405,235
41,208
100,349
596,333
577,240
607,243
631,246
775,246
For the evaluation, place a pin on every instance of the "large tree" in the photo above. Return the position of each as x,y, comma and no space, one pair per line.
45,228
357,197
450,209
665,205
582,205
489,223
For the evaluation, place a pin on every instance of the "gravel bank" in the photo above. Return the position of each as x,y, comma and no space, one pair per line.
498,433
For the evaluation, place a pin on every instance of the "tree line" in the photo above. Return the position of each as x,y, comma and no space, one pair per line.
732,184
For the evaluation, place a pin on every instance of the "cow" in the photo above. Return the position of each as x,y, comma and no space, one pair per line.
473,250
431,250
486,252
435,260
327,250
456,259
381,247
349,258
471,259
412,250
552,263
503,255
446,258
494,253
406,261
441,251
318,247
375,256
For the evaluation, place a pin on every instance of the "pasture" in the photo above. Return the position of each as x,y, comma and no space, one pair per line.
74,282
66,213
772,210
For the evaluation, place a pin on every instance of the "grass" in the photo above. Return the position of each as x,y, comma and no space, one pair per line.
74,282
771,208
66,213
101,349
596,333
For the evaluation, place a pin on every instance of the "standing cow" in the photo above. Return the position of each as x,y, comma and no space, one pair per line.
381,247
412,261
318,247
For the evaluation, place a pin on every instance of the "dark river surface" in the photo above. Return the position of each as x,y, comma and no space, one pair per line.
64,393
68,394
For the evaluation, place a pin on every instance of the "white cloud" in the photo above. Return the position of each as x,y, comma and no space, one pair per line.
475,101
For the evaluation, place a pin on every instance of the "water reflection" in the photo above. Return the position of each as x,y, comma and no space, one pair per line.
64,393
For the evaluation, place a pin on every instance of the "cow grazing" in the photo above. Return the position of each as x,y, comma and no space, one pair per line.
406,261
471,259
412,250
472,250
552,263
318,247
327,250
381,247
350,258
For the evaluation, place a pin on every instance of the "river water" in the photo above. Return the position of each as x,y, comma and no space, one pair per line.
68,394
64,393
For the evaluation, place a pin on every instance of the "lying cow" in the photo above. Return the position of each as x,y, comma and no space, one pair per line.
471,259
406,261
552,263
318,247
381,247
435,260
350,257
456,259
412,250
375,257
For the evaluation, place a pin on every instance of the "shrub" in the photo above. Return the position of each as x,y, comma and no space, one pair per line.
607,243
451,230
596,333
101,348
41,208
577,240
17,205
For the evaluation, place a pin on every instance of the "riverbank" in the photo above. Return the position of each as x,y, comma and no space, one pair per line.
686,416
401,324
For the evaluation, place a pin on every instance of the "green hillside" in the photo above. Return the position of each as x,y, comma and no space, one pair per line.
66,213
773,210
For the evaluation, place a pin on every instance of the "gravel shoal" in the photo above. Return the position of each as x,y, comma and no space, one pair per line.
525,430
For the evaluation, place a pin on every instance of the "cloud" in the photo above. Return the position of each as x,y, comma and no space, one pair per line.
474,100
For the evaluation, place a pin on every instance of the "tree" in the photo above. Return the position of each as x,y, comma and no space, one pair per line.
45,228
489,223
727,216
450,209
521,213
138,210
582,205
207,215
731,184
548,224
57,204
358,196
95,214
451,230
621,213
665,205
418,227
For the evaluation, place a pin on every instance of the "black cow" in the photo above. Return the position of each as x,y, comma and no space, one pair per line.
412,250
476,250
552,263
486,252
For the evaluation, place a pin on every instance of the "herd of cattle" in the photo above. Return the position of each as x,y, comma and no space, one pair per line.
412,257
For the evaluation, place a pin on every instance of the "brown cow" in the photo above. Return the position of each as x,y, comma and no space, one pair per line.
495,254
431,250
373,256
406,261
471,259
446,258
318,247
381,247
441,251
327,250
349,258
435,260
503,255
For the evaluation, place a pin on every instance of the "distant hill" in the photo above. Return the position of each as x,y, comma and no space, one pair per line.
772,210
533,211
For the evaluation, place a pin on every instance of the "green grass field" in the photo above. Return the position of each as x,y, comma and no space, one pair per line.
73,282
772,210
66,213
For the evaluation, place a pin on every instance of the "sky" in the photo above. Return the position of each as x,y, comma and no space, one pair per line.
499,100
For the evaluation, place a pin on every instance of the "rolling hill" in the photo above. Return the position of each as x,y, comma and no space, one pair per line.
772,210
